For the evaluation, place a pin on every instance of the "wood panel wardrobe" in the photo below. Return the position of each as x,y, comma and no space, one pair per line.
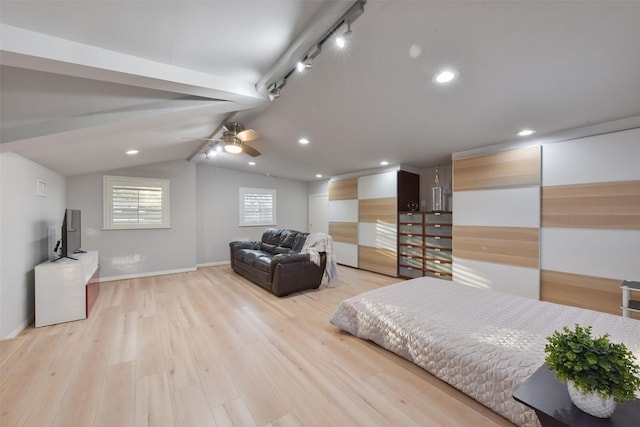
363,212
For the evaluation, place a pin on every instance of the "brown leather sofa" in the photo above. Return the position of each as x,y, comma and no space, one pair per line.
275,262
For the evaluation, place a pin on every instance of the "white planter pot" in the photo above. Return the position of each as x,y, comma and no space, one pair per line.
591,403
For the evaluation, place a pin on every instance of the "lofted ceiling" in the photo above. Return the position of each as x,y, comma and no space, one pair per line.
81,82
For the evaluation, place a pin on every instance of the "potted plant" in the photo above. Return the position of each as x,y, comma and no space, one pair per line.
598,373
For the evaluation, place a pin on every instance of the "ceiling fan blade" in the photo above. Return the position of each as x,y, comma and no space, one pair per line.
250,150
247,135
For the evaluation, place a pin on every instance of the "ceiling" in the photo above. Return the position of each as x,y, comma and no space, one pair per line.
81,82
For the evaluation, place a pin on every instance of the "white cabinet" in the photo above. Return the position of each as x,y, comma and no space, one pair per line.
66,289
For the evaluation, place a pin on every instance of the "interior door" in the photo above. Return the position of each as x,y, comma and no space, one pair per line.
319,214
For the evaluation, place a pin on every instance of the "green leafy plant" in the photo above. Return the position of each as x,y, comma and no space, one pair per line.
593,364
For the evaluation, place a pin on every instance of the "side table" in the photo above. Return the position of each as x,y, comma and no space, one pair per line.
549,398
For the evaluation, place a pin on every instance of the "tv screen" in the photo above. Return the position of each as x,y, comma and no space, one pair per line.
71,236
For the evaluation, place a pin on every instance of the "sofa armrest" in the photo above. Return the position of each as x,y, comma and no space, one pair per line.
245,244
241,244
298,275
290,258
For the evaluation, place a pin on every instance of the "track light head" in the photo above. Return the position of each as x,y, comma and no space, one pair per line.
304,65
341,40
274,89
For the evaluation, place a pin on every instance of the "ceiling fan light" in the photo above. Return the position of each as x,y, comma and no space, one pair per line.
233,148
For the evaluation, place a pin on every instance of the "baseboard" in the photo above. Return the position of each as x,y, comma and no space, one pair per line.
140,275
213,264
30,319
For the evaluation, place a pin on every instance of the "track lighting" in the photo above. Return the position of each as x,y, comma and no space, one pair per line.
304,65
274,89
336,31
274,94
341,40
213,151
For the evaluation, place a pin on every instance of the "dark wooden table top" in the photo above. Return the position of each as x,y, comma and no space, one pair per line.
544,393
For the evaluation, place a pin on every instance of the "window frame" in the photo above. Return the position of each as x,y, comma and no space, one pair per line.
110,181
242,220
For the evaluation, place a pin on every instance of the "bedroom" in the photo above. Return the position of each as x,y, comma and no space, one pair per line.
203,224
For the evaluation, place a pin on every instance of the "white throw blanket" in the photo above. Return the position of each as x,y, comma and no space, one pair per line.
321,242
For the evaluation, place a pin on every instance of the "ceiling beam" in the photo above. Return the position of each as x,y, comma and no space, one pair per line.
107,117
36,51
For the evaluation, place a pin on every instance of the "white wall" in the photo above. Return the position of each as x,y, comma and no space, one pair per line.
24,220
217,209
134,253
318,188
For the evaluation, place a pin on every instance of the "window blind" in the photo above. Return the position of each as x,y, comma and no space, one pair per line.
257,206
137,205
130,203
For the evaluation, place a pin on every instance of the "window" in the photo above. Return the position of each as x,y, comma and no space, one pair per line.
257,206
135,202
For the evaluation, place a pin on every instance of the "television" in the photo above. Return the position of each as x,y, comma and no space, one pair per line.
71,234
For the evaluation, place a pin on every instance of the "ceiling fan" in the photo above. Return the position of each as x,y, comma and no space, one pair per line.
233,139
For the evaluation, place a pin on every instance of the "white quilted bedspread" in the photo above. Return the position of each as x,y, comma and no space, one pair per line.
484,343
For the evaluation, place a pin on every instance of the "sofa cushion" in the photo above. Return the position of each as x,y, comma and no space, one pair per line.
281,250
272,236
248,256
266,247
263,263
287,237
298,243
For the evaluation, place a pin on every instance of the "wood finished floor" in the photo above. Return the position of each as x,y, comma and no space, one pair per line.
209,348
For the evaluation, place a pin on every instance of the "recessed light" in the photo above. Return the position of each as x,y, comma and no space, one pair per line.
303,141
526,132
132,152
318,175
384,163
252,163
445,76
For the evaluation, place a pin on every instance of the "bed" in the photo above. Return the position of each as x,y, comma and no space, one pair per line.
482,342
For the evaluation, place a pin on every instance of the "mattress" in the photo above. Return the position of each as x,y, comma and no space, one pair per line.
482,342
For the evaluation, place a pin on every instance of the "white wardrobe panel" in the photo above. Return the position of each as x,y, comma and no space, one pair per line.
343,210
378,235
378,186
513,207
509,279
346,253
602,158
591,252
